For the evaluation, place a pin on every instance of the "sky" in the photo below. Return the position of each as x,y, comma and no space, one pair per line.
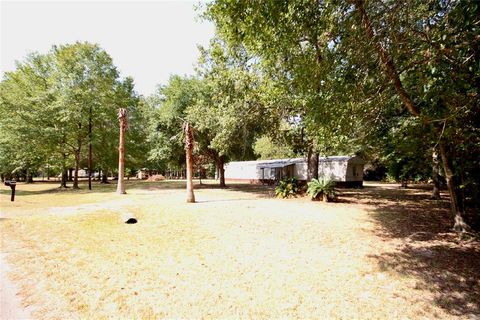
148,40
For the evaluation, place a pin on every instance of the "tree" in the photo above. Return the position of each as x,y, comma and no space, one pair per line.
267,149
351,64
54,104
85,80
189,142
229,113
122,118
293,42
167,116
25,102
440,15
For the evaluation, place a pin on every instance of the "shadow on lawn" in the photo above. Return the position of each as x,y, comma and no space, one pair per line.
262,191
430,251
97,187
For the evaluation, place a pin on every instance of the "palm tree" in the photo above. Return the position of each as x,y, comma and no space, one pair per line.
189,149
122,117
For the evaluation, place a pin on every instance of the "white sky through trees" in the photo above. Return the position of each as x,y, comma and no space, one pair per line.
148,40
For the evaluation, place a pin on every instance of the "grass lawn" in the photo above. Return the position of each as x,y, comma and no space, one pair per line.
380,252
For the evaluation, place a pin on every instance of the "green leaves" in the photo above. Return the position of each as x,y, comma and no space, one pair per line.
286,188
321,188
50,100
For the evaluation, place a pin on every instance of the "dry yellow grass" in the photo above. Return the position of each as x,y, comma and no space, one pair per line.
231,255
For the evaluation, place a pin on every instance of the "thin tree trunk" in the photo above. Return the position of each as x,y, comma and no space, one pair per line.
456,202
189,158
70,174
63,182
77,166
122,116
312,164
104,177
435,175
221,171
90,149
28,177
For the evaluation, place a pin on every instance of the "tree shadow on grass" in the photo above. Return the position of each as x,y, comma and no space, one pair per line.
449,272
97,187
429,251
261,191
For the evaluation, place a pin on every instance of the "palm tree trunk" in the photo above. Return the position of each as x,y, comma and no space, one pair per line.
122,116
189,152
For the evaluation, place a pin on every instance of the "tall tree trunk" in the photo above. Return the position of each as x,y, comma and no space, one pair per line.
104,177
312,164
456,202
70,174
63,182
29,176
122,116
77,167
435,175
90,149
221,170
189,158
392,73
77,158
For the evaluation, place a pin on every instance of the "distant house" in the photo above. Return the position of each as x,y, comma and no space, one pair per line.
346,171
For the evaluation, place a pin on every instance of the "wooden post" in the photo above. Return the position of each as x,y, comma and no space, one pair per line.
122,117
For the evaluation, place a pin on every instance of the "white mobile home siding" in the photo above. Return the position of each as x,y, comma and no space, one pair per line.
342,169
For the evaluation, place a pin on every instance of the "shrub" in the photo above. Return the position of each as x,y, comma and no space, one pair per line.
321,188
287,187
156,177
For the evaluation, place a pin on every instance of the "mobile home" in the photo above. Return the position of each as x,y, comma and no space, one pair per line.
345,170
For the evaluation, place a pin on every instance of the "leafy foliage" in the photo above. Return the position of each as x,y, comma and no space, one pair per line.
287,187
321,188
357,71
267,149
50,100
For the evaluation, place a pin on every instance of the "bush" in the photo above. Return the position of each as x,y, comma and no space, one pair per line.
321,188
287,187
156,177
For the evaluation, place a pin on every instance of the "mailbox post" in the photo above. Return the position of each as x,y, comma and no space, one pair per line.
12,184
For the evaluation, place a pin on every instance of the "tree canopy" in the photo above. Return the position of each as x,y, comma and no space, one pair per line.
54,104
396,84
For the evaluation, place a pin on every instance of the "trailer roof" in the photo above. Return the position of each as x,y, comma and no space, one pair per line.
278,164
